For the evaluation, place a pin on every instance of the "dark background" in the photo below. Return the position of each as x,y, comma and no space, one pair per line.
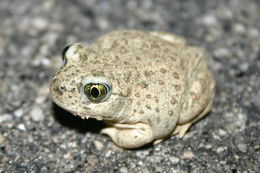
37,136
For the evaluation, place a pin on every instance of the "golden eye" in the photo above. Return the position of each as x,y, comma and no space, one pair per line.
96,92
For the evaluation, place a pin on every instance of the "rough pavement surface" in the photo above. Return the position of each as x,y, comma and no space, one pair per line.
37,136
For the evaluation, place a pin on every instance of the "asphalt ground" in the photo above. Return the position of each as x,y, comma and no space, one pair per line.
37,136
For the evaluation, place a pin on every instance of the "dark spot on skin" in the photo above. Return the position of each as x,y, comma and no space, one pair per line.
163,70
148,107
173,101
97,73
117,57
126,63
161,82
155,46
177,87
148,73
68,67
128,76
166,50
156,99
86,108
173,59
157,109
73,90
54,80
158,120
115,45
137,76
138,58
79,87
170,113
148,96
144,84
93,62
138,94
194,96
128,93
176,75
129,90
141,112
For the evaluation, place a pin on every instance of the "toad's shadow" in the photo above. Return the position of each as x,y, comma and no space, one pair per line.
73,122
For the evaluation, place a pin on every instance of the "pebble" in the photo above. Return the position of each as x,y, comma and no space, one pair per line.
174,159
242,147
21,127
239,28
221,149
18,113
5,117
2,139
40,23
209,20
142,154
99,145
123,170
187,155
37,114
68,156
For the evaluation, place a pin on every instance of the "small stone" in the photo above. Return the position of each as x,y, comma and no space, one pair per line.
174,159
222,132
18,113
40,23
221,52
242,147
221,149
68,156
98,145
209,20
21,127
45,61
142,154
187,155
239,28
253,33
5,117
37,114
2,139
123,170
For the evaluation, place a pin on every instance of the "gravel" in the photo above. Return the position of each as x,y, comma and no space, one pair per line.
37,136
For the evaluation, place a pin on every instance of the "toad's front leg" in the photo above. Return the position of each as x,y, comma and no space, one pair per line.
130,135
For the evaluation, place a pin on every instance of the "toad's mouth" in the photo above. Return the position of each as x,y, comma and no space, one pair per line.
85,115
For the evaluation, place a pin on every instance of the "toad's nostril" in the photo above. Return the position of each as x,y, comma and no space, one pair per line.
62,88
59,89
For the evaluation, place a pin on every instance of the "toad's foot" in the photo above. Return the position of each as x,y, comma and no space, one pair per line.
181,129
129,136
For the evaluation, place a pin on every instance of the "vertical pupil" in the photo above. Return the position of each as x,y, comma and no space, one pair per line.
95,92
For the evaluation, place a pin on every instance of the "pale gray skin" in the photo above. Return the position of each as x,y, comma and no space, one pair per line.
160,86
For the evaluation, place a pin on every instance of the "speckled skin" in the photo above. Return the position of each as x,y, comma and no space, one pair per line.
160,86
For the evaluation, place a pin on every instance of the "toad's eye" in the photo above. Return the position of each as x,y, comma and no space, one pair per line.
63,54
97,92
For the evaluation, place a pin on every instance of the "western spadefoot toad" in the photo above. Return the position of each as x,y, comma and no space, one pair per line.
146,86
